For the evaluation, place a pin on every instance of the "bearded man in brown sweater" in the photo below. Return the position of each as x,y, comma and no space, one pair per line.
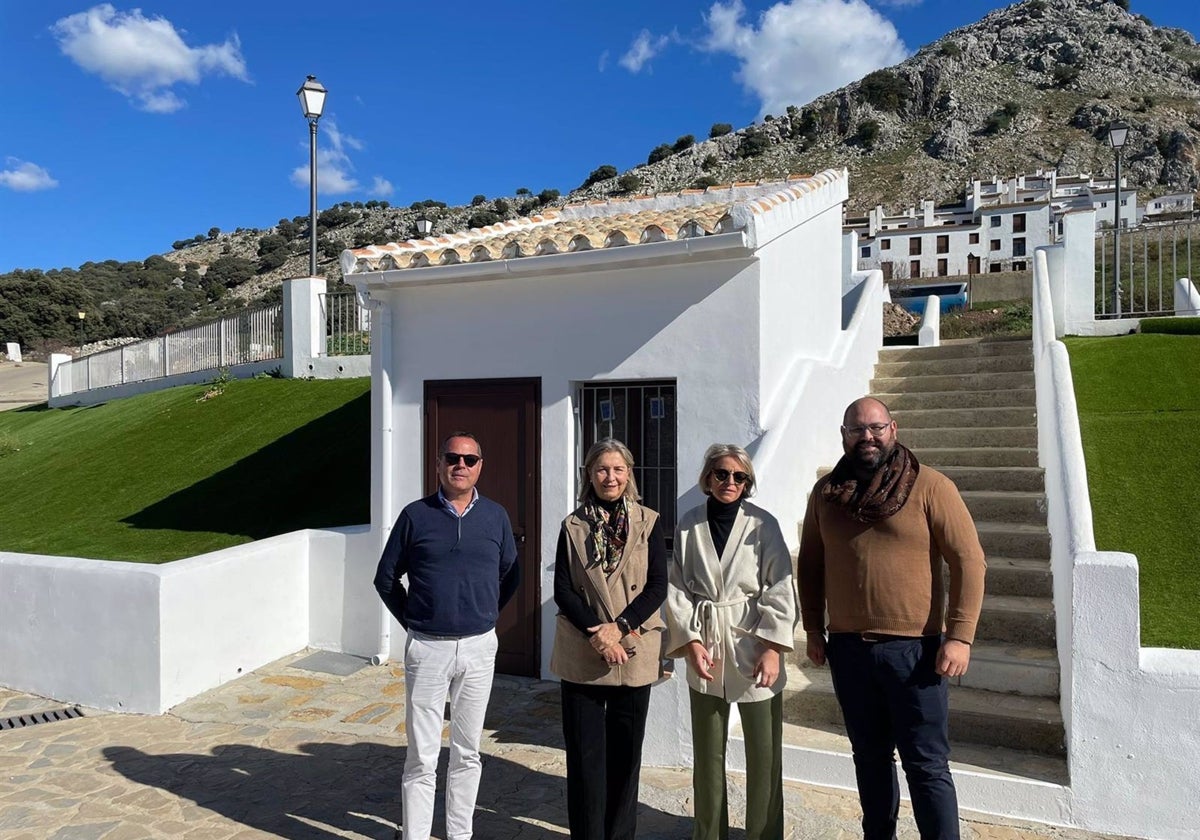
877,531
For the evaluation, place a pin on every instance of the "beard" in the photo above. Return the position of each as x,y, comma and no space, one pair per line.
870,457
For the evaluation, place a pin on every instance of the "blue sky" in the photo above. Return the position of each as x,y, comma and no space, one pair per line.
126,128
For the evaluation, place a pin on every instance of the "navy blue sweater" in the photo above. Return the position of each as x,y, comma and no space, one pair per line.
461,572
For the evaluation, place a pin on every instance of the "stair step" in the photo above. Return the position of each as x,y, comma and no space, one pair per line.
1006,506
952,382
1012,669
977,456
909,399
964,418
916,366
1014,539
976,715
1005,436
1020,479
1017,576
801,744
1017,620
958,350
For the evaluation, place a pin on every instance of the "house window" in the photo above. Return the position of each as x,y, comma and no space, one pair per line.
914,269
866,251
974,239
1103,204
943,244
1019,265
885,245
994,268
995,221
995,245
1018,222
942,268
1019,246
914,246
642,416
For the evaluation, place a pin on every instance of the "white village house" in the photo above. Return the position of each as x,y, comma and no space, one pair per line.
729,314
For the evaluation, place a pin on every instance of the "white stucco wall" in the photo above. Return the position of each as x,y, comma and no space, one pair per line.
696,323
134,637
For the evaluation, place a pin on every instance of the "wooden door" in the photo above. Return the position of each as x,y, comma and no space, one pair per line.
505,416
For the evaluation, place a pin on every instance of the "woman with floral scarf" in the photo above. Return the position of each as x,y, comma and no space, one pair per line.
610,578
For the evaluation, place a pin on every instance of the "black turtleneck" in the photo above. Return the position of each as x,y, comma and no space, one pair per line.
720,521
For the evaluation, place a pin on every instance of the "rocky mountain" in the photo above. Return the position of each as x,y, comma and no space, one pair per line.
1031,86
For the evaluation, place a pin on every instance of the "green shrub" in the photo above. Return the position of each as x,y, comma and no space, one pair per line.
479,199
482,218
866,134
704,182
502,207
754,143
683,143
950,49
719,130
523,191
1065,75
1194,73
629,182
884,89
709,163
1171,326
546,196
660,152
600,173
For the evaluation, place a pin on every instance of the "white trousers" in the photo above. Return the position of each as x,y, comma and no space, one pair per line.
434,668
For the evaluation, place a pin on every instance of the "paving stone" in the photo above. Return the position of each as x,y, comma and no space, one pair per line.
90,831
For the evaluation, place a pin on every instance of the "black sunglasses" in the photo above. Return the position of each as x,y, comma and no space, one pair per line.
739,477
452,459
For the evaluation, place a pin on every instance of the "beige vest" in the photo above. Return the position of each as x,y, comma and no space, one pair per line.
574,659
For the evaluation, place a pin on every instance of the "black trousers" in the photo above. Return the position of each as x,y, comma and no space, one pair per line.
603,726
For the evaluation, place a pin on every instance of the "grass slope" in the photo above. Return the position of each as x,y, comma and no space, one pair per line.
162,476
1139,408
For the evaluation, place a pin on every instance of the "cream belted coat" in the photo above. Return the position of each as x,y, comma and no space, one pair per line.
732,603
573,658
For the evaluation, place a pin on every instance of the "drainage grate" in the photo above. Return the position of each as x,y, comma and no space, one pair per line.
34,718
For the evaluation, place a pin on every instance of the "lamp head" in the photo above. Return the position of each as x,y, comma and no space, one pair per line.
312,98
1117,133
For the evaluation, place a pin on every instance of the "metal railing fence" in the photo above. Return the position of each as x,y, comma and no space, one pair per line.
253,335
347,325
1153,257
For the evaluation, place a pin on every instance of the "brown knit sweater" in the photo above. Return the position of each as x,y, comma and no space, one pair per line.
887,577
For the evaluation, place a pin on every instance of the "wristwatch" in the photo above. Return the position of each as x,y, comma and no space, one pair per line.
623,626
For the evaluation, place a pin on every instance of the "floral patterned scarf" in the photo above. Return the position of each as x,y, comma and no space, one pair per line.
610,529
883,496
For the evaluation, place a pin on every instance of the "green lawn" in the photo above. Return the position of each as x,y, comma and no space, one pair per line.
162,476
1139,409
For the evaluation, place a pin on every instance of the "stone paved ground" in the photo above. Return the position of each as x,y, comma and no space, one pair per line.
21,384
285,752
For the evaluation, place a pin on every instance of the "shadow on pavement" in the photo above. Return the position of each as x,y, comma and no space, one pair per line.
328,789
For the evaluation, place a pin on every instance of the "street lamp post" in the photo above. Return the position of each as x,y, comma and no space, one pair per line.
81,315
1117,133
424,226
312,100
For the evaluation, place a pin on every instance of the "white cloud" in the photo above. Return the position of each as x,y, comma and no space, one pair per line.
900,4
381,187
603,62
644,48
143,57
23,176
800,49
335,170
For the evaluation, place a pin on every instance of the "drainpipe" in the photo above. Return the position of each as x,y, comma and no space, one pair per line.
381,382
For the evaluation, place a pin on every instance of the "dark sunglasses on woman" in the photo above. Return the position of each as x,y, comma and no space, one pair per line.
739,477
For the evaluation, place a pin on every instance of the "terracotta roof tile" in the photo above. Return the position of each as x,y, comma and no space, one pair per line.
622,222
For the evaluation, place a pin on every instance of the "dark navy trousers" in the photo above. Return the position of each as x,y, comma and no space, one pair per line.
893,700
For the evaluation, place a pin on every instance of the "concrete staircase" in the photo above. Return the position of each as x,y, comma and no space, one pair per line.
967,408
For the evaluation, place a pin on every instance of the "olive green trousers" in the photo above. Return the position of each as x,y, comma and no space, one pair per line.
762,729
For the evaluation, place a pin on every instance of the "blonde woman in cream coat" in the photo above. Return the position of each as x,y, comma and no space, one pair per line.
731,613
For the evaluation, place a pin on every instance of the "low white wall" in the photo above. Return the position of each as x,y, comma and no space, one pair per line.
1130,713
81,631
930,333
338,367
133,637
96,396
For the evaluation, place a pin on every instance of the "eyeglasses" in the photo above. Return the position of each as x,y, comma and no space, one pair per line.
739,477
876,429
452,459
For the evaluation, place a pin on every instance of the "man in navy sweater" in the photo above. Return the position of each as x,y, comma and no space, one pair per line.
458,552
